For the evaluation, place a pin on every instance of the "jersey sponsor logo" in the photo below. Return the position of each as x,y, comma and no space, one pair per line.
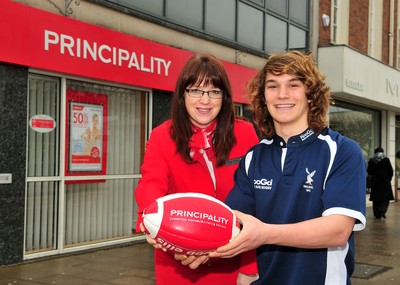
309,185
263,184
306,134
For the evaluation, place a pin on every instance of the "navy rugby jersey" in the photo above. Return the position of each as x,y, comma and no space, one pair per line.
308,177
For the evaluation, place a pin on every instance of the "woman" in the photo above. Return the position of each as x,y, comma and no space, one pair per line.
381,171
197,150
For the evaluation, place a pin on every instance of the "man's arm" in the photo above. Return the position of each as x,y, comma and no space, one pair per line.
323,232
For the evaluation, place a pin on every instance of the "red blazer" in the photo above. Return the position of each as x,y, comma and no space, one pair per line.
165,172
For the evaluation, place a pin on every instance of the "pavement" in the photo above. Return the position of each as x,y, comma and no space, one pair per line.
377,261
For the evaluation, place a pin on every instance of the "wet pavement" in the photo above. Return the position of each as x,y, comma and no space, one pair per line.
377,261
378,249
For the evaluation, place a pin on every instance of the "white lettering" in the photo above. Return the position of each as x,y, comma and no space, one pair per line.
166,244
68,43
143,68
50,38
92,50
78,47
101,56
123,55
392,90
134,62
177,214
81,48
166,66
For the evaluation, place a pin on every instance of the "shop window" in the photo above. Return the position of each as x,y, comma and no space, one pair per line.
358,123
43,132
125,131
43,161
90,199
100,209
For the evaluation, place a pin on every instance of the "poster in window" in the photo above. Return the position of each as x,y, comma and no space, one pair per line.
86,137
86,133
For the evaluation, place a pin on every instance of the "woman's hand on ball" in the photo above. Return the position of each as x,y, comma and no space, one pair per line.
192,261
151,240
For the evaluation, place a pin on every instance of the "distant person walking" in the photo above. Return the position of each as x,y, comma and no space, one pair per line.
397,168
381,170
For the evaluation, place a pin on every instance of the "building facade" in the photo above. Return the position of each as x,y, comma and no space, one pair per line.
84,82
358,50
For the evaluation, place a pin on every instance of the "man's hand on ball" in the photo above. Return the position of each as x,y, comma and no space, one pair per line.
192,261
249,238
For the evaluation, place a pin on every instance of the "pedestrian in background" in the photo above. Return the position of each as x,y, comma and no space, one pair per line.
381,171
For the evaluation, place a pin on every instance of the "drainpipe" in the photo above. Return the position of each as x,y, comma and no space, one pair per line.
391,32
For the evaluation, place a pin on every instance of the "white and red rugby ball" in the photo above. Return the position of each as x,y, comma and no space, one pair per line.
190,223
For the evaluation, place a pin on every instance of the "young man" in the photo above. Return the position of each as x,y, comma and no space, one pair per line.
301,191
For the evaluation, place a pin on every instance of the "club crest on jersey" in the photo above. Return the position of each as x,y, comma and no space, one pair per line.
309,185
263,184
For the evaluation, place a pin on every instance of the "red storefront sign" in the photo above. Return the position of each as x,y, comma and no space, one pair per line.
42,40
42,123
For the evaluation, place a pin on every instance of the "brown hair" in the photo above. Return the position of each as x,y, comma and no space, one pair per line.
302,67
209,70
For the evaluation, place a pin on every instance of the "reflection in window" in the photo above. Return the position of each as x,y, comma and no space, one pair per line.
153,6
297,38
258,2
235,22
276,34
220,18
279,6
298,11
186,11
250,22
358,123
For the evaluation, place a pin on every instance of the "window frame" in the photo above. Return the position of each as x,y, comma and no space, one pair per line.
61,180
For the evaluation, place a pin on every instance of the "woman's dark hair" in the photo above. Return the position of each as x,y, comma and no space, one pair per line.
207,70
302,67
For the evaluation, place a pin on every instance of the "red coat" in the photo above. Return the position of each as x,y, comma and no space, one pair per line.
165,172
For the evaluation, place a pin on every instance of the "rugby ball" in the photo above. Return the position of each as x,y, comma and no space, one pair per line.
190,223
